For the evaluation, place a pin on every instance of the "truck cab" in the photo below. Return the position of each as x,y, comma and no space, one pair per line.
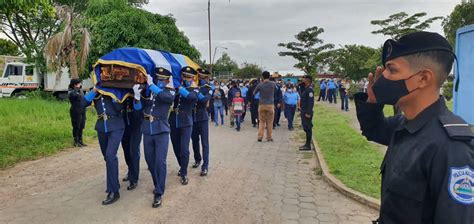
18,78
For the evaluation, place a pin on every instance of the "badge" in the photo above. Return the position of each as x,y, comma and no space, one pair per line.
461,182
311,94
173,93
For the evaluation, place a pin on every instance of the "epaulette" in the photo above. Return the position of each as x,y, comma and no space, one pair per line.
456,127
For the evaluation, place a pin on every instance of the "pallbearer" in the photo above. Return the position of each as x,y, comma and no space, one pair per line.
181,120
201,122
132,137
156,104
110,129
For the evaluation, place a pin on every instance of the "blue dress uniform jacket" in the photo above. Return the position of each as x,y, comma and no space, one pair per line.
428,170
108,109
200,113
183,107
157,106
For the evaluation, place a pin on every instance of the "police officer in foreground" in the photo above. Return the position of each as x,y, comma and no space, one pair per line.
131,139
157,100
77,111
305,107
201,124
181,120
109,127
428,169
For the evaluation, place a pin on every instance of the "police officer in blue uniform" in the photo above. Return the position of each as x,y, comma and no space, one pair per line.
428,169
131,140
291,99
110,128
155,105
181,120
201,124
306,108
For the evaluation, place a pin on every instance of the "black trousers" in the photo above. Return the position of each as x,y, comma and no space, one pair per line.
78,121
254,111
308,128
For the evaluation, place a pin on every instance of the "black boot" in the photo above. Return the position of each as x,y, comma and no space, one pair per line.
111,198
79,138
156,201
76,143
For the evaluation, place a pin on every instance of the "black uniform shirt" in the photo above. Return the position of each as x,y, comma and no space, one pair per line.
427,172
76,97
307,101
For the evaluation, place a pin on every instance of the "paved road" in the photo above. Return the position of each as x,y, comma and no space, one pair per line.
249,182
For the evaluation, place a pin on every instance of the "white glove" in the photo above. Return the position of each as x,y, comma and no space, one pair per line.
137,92
149,80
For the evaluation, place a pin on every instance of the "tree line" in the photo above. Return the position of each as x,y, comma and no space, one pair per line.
354,61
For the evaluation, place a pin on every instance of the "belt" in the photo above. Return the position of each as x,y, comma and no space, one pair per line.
104,117
150,117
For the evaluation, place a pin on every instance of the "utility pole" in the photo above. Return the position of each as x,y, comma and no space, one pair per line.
210,45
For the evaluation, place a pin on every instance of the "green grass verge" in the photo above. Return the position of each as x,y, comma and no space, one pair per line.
34,128
350,157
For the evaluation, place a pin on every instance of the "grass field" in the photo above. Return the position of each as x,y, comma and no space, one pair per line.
34,128
350,157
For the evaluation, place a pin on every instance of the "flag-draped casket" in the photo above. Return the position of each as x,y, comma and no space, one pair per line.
115,73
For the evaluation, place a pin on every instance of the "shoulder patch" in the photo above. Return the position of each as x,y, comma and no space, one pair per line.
461,184
456,127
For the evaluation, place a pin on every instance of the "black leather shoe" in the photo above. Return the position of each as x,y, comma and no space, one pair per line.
132,186
82,144
305,148
184,180
203,173
196,164
111,198
125,178
259,140
156,201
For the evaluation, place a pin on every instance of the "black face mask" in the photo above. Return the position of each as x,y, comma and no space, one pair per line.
389,92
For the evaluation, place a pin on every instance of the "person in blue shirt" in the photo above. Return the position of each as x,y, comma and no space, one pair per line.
155,103
181,120
291,99
110,128
332,91
218,98
201,125
322,90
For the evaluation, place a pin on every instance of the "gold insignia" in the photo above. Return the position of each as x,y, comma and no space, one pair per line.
187,69
161,70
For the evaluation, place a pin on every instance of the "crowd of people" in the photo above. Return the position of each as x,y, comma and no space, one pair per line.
331,89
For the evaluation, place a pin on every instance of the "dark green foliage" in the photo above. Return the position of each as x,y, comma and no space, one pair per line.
401,23
462,15
309,51
7,47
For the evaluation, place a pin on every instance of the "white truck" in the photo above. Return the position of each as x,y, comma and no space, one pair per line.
17,78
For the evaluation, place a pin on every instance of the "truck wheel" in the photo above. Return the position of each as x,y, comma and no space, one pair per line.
20,95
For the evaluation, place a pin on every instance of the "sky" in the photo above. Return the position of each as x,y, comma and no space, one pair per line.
251,29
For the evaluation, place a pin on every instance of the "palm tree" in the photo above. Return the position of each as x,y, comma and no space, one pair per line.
61,49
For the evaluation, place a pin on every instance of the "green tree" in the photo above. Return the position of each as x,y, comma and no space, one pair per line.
462,15
28,24
7,47
116,24
225,64
248,71
351,61
401,23
309,51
